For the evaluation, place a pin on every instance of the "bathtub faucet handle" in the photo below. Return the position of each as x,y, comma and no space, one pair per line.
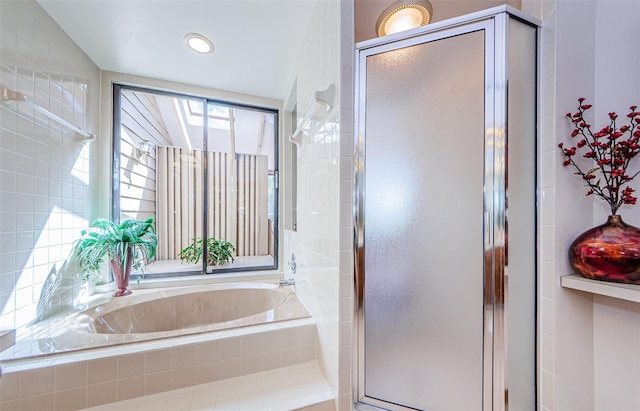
292,263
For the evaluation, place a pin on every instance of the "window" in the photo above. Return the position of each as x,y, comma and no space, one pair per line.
200,176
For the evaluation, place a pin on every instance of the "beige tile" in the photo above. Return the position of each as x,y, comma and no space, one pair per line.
9,386
308,334
272,359
34,382
11,405
157,360
183,356
102,393
73,399
251,344
272,340
230,368
130,387
290,356
131,365
307,352
251,364
72,375
230,348
157,382
290,337
207,352
183,377
37,402
207,372
103,369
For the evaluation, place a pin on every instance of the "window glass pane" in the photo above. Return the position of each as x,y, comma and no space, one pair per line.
217,183
239,206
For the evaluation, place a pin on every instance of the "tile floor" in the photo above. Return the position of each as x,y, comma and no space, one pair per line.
289,388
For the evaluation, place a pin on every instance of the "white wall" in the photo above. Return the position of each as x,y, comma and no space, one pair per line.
47,178
616,324
587,344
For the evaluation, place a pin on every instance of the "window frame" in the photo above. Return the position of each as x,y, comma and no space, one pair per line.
116,136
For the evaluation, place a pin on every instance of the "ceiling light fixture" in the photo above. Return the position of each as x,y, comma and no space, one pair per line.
404,15
199,43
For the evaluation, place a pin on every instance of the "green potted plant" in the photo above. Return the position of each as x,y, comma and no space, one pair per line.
219,252
128,244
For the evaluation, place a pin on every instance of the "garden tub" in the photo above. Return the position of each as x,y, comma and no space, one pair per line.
153,314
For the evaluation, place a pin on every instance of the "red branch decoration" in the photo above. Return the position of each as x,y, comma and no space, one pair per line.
611,153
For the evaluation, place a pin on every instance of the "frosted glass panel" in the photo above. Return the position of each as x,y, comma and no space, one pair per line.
424,156
521,188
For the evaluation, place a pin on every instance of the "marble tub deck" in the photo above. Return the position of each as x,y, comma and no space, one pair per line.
77,331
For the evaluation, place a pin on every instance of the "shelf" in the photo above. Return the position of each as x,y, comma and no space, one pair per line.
628,292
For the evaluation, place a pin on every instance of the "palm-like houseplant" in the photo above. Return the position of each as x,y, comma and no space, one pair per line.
128,244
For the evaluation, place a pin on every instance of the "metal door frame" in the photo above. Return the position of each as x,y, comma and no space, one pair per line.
494,23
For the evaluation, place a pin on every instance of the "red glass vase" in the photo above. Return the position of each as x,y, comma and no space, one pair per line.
609,252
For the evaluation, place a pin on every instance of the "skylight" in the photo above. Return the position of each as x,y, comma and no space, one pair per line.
218,115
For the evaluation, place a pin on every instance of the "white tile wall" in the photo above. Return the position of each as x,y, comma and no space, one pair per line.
322,185
47,178
346,266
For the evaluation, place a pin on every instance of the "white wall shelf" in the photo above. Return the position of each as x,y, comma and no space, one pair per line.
629,292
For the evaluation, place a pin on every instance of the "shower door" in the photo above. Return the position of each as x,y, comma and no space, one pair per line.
431,220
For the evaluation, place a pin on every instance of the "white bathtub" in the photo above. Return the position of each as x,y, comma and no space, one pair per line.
154,314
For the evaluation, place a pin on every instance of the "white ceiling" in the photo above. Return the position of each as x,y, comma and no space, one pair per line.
256,41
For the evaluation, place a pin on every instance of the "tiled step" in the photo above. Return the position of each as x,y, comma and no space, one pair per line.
297,387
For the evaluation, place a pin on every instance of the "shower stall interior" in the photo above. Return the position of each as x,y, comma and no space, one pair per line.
445,215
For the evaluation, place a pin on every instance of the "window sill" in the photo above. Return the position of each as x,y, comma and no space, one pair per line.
270,276
628,292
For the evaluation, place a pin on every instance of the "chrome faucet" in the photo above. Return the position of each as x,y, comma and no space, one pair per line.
287,281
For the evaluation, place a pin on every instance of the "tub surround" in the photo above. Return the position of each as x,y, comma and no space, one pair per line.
99,376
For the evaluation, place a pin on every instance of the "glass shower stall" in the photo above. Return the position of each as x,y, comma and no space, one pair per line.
445,215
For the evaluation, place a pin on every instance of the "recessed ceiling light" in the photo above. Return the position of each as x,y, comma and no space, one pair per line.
199,43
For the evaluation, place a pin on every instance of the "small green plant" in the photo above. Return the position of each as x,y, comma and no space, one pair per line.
134,239
219,252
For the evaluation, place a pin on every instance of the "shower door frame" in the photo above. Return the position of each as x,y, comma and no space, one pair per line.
494,23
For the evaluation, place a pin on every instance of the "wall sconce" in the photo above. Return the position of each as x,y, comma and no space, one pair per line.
144,150
404,15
